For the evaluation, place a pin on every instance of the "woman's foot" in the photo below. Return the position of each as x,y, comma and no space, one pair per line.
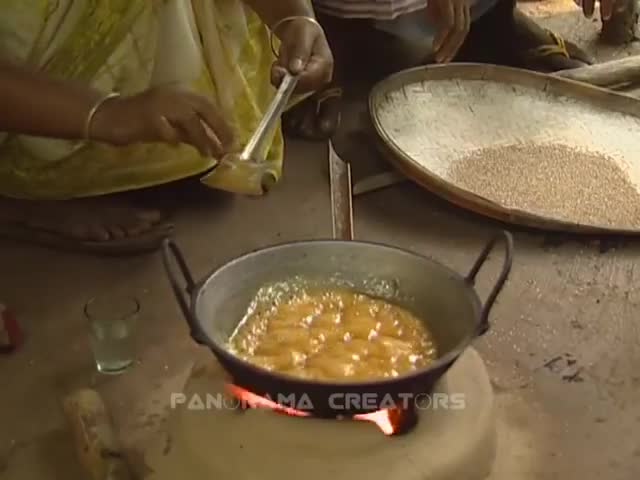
542,50
316,118
507,36
104,225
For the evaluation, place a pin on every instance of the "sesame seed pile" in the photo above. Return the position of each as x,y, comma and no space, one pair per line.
554,181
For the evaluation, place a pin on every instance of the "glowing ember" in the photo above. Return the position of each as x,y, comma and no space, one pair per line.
382,418
389,421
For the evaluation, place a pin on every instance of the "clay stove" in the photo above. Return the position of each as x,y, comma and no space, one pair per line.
448,440
399,419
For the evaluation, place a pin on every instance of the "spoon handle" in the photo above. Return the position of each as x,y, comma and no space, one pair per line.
271,117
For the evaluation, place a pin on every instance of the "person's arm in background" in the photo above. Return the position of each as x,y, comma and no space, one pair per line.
304,49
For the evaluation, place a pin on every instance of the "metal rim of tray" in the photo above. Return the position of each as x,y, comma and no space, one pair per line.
465,199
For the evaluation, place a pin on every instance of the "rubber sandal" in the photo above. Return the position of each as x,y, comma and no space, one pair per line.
318,100
335,92
145,243
559,46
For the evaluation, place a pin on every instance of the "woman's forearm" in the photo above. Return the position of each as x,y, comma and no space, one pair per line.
33,104
271,11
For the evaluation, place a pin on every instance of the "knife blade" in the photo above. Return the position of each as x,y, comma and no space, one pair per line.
341,196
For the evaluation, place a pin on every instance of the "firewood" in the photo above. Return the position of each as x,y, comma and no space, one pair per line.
97,445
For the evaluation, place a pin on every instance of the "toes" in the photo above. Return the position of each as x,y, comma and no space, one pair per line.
140,228
307,130
149,216
124,223
98,233
308,125
117,232
329,117
165,229
328,127
77,231
86,232
135,229
97,222
292,120
316,118
138,223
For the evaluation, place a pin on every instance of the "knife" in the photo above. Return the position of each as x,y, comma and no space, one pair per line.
341,196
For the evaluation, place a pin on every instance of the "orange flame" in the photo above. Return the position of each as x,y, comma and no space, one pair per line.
382,418
389,421
256,401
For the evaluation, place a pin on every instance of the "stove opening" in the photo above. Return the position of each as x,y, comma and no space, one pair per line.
391,421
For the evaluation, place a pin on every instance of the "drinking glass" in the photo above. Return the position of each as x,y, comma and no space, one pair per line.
112,321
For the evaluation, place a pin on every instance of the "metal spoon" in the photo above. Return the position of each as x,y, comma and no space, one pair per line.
249,167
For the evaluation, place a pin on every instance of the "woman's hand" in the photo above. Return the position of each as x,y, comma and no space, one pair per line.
453,18
165,114
304,51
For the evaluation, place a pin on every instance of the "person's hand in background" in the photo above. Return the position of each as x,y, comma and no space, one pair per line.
453,18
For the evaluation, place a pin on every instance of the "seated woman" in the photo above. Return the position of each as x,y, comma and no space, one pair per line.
193,77
383,36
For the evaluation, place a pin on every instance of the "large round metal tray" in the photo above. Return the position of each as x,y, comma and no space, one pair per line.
527,106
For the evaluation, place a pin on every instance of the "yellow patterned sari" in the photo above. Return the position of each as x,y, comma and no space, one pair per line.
219,48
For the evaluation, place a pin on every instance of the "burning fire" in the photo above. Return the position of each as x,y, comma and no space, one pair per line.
390,421
382,418
256,401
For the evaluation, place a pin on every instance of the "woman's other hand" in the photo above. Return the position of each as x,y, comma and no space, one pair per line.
163,114
453,18
304,51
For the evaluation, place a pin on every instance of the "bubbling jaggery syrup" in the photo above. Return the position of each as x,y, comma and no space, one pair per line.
333,335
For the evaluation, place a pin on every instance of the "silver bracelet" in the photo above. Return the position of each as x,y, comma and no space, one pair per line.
284,20
92,113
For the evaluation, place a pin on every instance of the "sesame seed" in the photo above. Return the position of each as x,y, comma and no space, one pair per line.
554,181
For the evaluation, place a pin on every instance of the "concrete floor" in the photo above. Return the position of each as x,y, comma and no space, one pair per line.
563,351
